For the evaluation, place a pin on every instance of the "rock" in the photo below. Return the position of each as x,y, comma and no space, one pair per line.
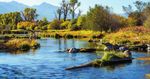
87,50
127,53
140,47
123,48
74,50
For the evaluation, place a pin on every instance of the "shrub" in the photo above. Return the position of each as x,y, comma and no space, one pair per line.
64,25
22,44
44,27
147,23
26,25
34,44
55,24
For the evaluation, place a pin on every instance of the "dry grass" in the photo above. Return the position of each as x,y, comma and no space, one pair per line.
129,35
76,34
21,44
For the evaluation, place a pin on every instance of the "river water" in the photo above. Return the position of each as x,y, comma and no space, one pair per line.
49,62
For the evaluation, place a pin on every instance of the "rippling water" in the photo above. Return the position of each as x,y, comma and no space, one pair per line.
49,62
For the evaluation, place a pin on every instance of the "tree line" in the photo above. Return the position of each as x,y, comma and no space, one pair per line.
98,18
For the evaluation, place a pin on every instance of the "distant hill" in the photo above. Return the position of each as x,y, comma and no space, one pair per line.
43,10
46,10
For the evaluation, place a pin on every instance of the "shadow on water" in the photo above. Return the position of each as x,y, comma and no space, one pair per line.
33,51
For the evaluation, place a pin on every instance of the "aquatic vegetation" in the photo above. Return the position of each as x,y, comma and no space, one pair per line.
109,57
112,55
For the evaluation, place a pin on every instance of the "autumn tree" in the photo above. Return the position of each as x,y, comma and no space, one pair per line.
147,14
137,15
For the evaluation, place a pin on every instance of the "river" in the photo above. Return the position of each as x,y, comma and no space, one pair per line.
49,62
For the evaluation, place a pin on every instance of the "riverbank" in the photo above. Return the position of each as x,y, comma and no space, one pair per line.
135,37
72,34
128,35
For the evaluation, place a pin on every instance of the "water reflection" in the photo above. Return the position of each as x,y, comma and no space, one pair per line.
64,44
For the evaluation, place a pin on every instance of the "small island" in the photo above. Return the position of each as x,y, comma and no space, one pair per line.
19,44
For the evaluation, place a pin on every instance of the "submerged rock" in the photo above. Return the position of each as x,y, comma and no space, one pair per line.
74,50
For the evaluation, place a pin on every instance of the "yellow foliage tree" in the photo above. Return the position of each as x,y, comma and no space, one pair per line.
26,25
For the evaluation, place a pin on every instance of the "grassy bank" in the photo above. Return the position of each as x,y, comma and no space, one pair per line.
71,34
129,35
20,44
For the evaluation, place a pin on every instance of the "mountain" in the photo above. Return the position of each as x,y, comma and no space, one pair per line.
43,10
46,10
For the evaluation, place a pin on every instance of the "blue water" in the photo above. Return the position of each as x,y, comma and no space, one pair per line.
49,62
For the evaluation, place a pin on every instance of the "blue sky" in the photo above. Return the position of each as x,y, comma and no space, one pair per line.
116,5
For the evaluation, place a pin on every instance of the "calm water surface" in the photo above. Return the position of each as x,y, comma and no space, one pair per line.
49,62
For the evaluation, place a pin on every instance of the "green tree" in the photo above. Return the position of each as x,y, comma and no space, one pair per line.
65,9
80,21
59,12
98,19
74,4
42,24
29,14
10,19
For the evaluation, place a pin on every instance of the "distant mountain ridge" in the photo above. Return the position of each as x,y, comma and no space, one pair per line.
43,10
